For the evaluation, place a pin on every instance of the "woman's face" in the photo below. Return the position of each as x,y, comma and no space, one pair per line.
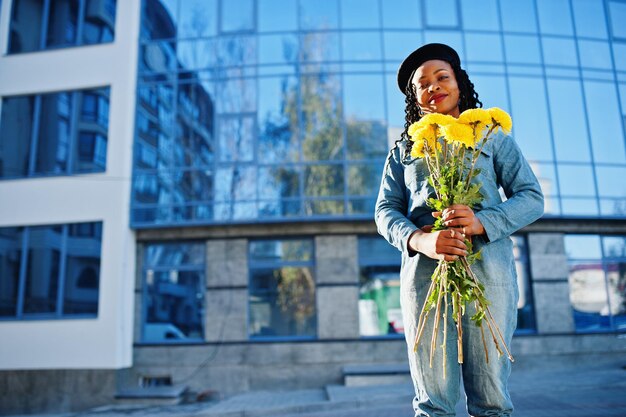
436,88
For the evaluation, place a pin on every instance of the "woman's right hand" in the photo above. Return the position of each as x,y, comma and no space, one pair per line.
442,244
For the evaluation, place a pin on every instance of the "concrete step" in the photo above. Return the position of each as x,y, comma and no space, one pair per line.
376,374
160,395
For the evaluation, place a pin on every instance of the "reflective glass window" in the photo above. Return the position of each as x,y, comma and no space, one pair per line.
359,14
278,120
62,20
236,95
613,207
395,106
174,287
531,133
59,272
594,54
452,38
546,175
364,179
361,46
482,47
559,51
518,16
441,13
597,275
237,15
576,180
282,289
611,181
198,18
579,206
236,138
548,10
319,15
589,18
319,47
405,14
481,15
607,137
568,120
492,90
277,15
619,54
62,133
278,182
525,305
523,49
617,11
159,19
16,130
321,119
380,313
278,49
10,261
398,45
323,180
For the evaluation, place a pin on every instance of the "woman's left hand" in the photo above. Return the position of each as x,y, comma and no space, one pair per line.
462,219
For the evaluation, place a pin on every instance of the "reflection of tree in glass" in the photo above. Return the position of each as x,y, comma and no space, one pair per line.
296,297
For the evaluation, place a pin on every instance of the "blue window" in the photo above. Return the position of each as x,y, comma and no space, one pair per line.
50,271
173,292
282,289
597,281
47,24
46,135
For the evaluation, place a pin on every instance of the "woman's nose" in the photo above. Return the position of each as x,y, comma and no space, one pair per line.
434,87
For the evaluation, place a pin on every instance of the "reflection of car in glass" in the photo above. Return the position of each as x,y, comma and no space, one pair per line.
163,331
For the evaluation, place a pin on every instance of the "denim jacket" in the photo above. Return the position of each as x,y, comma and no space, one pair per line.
401,209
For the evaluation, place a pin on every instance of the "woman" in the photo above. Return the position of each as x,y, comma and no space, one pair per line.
433,82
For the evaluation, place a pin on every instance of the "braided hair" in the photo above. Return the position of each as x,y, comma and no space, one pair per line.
468,99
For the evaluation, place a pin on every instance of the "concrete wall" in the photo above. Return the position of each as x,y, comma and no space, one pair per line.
105,342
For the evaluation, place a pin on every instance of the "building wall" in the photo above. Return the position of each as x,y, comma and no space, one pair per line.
104,342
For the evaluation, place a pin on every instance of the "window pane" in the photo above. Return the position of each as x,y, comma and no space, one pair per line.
159,19
278,49
62,23
531,132
547,10
174,254
99,23
320,103
364,179
278,182
588,296
398,45
359,14
318,15
605,118
546,176
15,135
405,14
361,46
10,261
568,120
589,18
480,15
237,15
614,247
82,269
518,16
559,51
236,136
491,90
616,277
451,38
579,207
278,120
618,17
198,18
594,54
522,49
619,53
282,302
379,301
26,23
576,180
319,47
583,247
525,306
441,13
611,181
42,269
275,15
91,152
237,95
277,251
485,48
54,133
323,180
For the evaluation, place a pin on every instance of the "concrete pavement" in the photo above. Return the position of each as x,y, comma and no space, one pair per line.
558,386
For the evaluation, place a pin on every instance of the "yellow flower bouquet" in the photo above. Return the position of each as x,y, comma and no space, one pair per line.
450,148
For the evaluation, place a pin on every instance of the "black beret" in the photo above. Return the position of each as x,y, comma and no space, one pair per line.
421,55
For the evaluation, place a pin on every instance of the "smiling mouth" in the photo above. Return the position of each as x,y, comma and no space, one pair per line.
438,98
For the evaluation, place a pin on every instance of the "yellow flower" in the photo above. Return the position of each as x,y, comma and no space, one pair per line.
501,119
436,119
475,117
460,133
417,151
413,129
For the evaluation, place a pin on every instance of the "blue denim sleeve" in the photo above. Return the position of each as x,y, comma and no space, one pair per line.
392,205
524,202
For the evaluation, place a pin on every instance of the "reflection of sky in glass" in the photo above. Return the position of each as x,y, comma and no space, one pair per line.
548,23
491,91
363,97
576,180
583,247
618,17
357,46
476,50
441,13
579,206
589,18
480,15
611,181
518,16
319,15
399,44
401,14
522,49
607,136
277,15
559,51
198,18
594,54
619,54
237,15
359,14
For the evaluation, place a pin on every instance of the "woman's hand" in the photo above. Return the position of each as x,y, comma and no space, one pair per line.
443,244
461,218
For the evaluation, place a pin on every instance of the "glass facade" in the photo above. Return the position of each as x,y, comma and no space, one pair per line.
281,296
50,134
283,110
173,292
38,25
50,271
597,280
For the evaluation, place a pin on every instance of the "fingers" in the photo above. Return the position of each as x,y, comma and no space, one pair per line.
428,228
451,245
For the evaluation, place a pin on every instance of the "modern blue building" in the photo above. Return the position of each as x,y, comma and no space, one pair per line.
190,184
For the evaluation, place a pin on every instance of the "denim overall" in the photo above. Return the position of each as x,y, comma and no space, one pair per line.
400,210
